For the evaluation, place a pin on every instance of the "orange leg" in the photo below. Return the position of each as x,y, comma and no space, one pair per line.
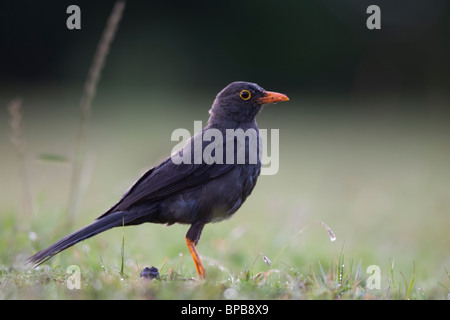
201,271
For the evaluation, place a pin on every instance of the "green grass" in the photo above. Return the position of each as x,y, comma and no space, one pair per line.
339,280
380,182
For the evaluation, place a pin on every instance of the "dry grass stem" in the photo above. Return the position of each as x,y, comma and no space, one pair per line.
17,139
90,87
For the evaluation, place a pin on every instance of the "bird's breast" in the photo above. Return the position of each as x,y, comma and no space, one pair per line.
216,200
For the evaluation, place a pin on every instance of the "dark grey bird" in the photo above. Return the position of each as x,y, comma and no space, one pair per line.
195,190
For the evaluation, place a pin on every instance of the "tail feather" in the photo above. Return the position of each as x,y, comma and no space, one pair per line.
112,220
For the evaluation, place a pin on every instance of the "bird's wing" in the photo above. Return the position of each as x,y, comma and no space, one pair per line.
166,179
169,178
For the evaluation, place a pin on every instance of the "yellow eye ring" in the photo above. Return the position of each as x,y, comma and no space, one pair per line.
245,95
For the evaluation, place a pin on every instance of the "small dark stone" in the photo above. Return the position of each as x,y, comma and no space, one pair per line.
150,273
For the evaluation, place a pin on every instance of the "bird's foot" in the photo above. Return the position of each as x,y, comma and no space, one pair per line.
201,271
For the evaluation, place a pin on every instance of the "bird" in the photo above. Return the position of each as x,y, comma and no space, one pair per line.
190,192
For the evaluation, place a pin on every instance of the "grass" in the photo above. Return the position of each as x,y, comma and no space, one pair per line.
336,281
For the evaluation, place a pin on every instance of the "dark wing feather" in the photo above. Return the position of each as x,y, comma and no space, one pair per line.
167,179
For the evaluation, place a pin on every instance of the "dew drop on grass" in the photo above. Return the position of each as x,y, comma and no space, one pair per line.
330,232
267,261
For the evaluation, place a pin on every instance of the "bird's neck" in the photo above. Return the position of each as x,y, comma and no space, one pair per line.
223,118
223,124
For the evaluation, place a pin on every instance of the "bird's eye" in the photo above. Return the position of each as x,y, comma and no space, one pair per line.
245,95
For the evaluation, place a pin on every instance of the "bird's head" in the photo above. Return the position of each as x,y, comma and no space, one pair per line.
241,102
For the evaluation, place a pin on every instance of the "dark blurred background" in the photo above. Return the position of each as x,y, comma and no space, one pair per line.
311,47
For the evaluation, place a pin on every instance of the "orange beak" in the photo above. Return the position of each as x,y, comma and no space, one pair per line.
272,97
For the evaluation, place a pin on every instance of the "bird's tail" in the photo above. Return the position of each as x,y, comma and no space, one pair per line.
115,219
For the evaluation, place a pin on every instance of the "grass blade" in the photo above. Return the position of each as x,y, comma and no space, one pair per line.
122,251
391,270
411,282
324,276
